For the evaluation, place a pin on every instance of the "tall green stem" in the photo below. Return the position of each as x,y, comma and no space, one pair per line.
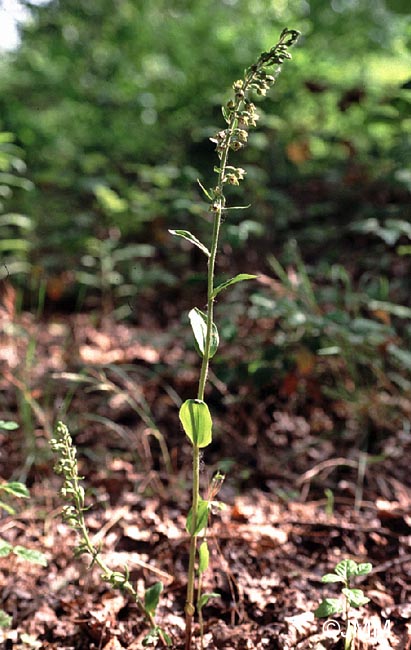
189,609
240,114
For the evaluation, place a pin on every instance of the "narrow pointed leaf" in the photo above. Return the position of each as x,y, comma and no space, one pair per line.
7,507
201,519
237,207
152,597
16,488
204,598
5,548
198,320
203,557
35,557
196,420
186,234
206,192
238,278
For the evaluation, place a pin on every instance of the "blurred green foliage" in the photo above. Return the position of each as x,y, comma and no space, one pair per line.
113,103
16,230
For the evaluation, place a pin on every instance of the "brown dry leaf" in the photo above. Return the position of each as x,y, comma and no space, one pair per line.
255,508
289,385
262,536
8,299
382,598
298,151
402,610
95,355
113,644
305,361
301,622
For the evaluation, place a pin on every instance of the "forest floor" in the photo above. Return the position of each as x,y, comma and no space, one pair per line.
116,386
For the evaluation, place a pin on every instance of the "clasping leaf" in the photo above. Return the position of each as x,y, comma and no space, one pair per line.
197,423
198,320
152,596
203,557
201,519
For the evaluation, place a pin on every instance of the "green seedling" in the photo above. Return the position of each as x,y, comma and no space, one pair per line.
240,114
19,491
73,492
329,506
344,573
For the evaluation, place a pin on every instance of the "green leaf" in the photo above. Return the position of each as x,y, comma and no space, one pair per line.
204,598
31,641
198,320
151,637
398,6
355,597
206,192
5,548
5,619
35,557
8,508
203,557
392,308
226,114
332,577
196,420
8,426
166,637
237,207
152,597
328,607
364,568
403,357
201,519
14,219
238,278
15,488
186,234
14,245
346,569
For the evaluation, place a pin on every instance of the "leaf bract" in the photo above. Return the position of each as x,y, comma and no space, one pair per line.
238,278
186,234
204,598
203,557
